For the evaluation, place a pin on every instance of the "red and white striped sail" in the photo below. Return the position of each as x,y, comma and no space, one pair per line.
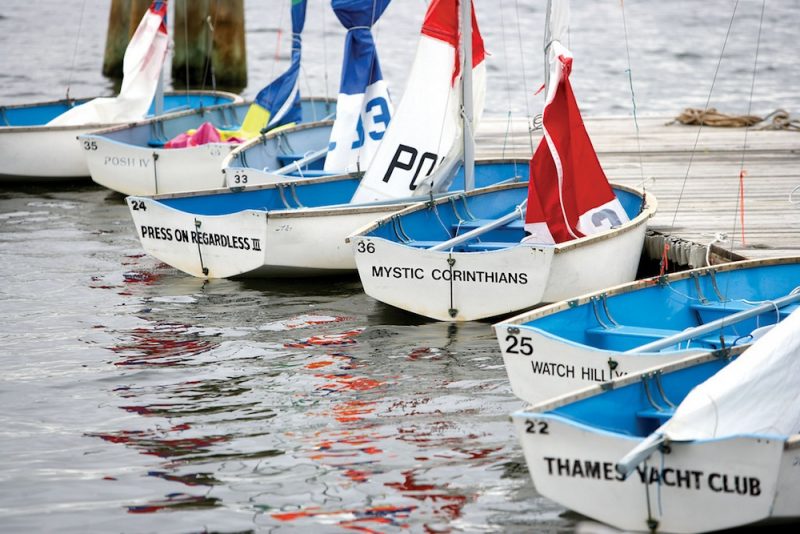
426,130
141,68
568,194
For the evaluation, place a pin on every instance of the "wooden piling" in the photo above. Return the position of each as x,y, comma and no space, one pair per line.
225,46
123,18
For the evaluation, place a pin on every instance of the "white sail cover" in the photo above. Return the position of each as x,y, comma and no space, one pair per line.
141,69
426,131
759,393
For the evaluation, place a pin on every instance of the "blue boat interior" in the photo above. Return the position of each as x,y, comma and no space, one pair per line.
289,147
333,193
41,114
639,408
428,227
156,133
629,320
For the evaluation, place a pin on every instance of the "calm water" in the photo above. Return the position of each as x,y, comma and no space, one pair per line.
137,399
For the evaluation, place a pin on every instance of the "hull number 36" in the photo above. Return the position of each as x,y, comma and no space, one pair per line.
363,247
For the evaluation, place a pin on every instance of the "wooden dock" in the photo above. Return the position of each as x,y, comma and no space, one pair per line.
694,173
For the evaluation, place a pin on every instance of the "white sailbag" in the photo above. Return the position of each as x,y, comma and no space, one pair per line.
141,70
424,137
756,394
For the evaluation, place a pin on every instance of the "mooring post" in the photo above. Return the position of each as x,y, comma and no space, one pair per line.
225,45
123,18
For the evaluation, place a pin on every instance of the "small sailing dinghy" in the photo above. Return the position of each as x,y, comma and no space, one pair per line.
592,339
348,144
476,258
727,456
298,228
157,155
30,130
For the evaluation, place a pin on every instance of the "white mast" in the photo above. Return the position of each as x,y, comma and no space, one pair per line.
555,31
466,94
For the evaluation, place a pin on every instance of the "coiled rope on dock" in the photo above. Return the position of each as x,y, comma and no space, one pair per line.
777,120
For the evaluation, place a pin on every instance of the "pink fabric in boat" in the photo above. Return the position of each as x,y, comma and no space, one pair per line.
206,133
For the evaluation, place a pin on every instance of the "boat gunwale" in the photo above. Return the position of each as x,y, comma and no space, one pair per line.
550,309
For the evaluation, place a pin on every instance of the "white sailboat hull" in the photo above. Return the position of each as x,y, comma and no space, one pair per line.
476,285
488,284
135,170
540,367
121,160
704,486
252,243
43,153
31,150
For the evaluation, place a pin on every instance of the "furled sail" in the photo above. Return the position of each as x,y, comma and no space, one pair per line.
363,108
279,102
423,143
141,69
568,193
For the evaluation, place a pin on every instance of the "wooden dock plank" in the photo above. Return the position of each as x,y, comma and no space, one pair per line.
694,173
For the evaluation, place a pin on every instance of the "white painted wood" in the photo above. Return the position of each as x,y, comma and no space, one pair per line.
526,275
137,170
704,500
300,242
708,205
555,367
43,153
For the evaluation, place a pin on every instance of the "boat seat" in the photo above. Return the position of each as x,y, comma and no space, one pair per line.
465,226
422,243
309,173
486,246
286,159
662,416
639,335
714,310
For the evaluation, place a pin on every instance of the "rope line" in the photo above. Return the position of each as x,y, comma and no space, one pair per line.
706,107
75,52
633,97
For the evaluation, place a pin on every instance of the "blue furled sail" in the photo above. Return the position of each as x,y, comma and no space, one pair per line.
279,102
363,106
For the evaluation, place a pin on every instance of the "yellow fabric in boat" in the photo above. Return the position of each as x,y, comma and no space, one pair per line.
255,119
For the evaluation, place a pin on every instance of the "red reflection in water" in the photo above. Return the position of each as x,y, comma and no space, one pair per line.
140,277
160,345
386,515
303,321
344,338
149,443
176,502
425,353
450,504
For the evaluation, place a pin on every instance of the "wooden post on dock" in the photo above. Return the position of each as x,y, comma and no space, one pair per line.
225,45
190,58
123,18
